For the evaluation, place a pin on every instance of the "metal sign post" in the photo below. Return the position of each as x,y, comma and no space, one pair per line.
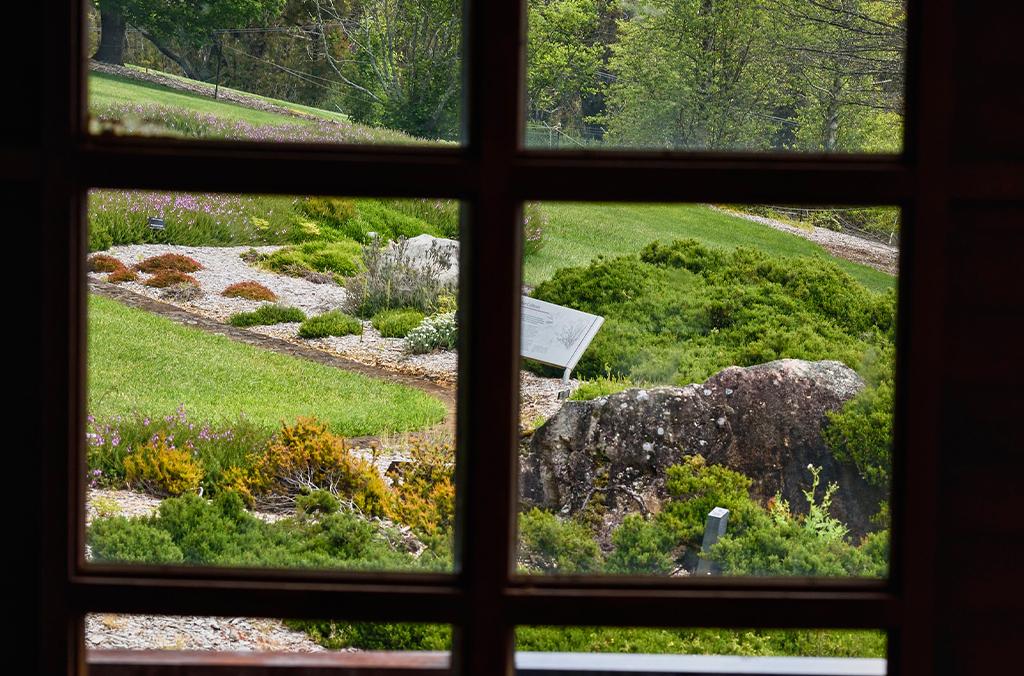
556,335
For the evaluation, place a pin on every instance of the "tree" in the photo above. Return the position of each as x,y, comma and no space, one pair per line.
846,66
563,58
401,68
184,31
113,29
694,74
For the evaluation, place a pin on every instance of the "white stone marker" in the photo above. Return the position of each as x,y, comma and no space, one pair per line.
556,335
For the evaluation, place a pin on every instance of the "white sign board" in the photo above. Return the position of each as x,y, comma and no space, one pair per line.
556,335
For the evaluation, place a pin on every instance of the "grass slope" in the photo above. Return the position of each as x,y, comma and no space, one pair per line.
141,362
579,232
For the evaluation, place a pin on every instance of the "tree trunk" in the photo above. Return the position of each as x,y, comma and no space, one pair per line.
112,37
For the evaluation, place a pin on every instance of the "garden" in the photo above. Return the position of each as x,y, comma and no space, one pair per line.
272,378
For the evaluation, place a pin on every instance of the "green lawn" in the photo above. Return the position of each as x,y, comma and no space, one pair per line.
141,362
578,232
110,89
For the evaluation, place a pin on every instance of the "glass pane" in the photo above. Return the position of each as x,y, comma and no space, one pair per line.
707,390
775,75
543,649
106,633
271,380
313,71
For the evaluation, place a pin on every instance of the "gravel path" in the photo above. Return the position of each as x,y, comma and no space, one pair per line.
168,632
882,257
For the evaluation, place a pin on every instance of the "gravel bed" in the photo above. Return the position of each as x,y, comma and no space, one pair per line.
882,257
166,632
222,267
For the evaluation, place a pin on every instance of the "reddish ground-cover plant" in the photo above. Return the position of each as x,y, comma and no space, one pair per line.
123,275
169,261
250,290
104,263
165,278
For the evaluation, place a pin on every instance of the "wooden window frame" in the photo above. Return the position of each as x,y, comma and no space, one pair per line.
493,175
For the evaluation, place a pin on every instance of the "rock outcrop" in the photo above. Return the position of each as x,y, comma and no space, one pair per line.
764,421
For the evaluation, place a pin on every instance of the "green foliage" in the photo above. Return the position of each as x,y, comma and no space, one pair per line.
333,323
440,332
642,547
442,215
746,642
316,503
861,432
267,314
377,636
548,544
696,488
222,533
120,540
601,386
681,312
338,257
397,323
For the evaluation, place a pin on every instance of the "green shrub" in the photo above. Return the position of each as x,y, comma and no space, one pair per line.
602,386
377,635
680,312
397,323
120,540
333,323
548,544
641,547
267,314
440,332
342,258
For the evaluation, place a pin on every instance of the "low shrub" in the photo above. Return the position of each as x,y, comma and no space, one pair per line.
169,261
602,386
333,323
158,467
342,258
123,275
440,332
104,263
397,323
534,222
182,293
121,540
267,314
392,280
306,457
423,488
548,544
249,290
166,278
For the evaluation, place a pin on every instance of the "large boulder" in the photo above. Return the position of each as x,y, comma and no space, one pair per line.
436,254
763,421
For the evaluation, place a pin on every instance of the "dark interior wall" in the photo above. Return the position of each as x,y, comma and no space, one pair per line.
977,566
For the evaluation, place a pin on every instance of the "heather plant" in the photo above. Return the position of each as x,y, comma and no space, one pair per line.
392,279
160,468
440,332
341,258
333,323
423,487
305,457
534,222
219,448
249,290
267,314
104,263
123,275
397,323
165,278
169,261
